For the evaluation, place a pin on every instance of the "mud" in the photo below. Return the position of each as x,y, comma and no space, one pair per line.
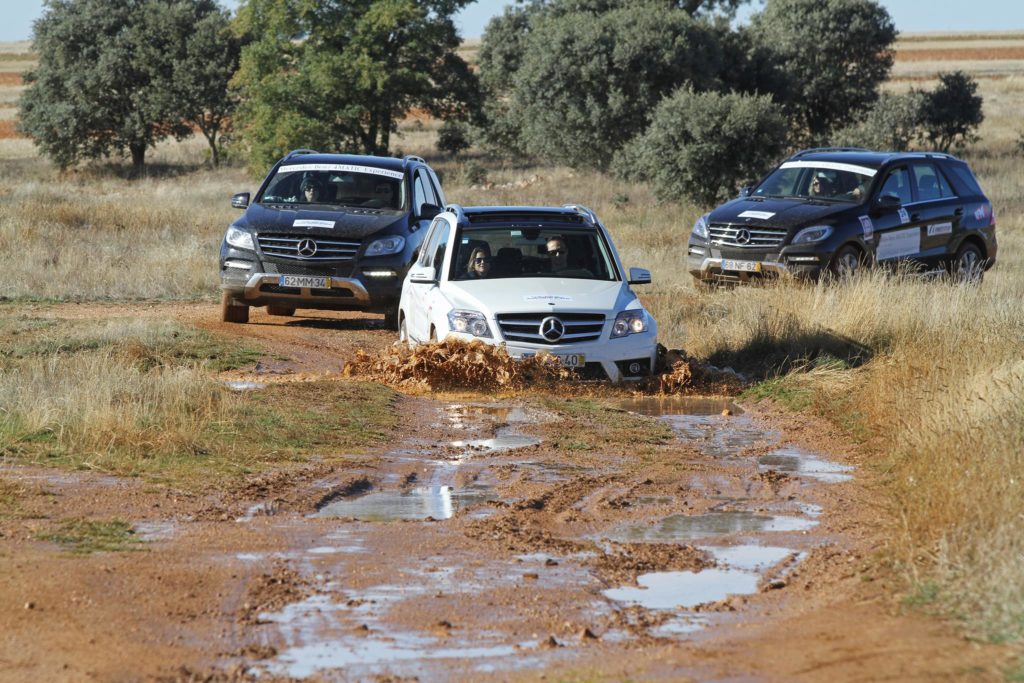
478,544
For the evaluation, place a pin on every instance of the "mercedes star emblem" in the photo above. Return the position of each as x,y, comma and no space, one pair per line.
307,248
551,328
743,236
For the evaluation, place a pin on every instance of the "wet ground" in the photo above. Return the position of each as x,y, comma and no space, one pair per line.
493,538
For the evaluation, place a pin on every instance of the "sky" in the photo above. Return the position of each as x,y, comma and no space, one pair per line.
911,16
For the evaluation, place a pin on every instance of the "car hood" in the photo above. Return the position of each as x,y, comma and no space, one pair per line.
533,295
334,222
785,213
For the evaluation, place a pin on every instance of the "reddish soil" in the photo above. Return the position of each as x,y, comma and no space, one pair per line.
10,78
960,54
245,583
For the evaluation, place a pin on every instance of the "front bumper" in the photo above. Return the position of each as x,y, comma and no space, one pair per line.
615,358
704,262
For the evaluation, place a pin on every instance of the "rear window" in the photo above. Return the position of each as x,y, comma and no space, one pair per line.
964,180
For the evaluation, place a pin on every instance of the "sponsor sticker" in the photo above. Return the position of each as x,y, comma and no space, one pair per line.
344,168
868,227
310,223
981,212
546,297
763,215
940,229
899,243
904,216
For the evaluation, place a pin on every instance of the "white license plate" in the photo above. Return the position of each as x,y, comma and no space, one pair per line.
742,266
311,281
572,360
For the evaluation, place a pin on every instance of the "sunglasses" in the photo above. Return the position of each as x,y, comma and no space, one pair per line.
481,259
556,252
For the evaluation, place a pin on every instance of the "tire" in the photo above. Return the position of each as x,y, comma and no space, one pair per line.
279,309
846,263
968,265
231,311
391,318
433,335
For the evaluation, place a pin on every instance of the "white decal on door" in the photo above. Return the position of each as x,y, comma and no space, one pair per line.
899,243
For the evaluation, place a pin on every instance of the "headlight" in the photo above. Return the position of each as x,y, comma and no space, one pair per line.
239,238
469,322
629,322
700,228
815,233
385,246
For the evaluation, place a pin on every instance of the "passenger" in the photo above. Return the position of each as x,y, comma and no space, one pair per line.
310,190
479,266
558,253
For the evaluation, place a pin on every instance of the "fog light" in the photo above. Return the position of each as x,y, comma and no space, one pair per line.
803,259
696,251
241,265
379,273
634,368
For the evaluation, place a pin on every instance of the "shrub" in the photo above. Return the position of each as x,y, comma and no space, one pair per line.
892,124
952,112
704,145
453,138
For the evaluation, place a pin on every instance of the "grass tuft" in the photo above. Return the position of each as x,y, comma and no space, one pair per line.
83,536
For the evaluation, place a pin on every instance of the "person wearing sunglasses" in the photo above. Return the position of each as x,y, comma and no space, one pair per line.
558,253
479,265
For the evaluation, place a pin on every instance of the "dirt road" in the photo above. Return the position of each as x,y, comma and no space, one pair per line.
493,538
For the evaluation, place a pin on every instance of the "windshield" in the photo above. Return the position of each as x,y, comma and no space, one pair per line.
818,180
511,252
338,184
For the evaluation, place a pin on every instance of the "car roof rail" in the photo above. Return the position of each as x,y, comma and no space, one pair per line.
300,152
413,157
813,150
457,210
583,211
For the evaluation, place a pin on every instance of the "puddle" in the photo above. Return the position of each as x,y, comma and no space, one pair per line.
438,502
749,557
690,527
237,385
154,531
680,626
668,590
504,440
680,405
719,436
805,464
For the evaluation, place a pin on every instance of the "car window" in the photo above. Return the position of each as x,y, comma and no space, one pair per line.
965,180
430,242
928,185
820,180
438,191
897,184
515,252
440,245
344,184
944,186
422,193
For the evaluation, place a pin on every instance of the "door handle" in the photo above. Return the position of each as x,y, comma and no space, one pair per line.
914,217
959,212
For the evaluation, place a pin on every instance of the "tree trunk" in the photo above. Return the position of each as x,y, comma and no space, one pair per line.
138,150
385,135
209,131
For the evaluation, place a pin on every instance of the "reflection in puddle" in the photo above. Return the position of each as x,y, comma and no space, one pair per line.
666,590
503,441
439,502
236,385
154,531
679,405
719,436
750,557
689,527
680,626
802,463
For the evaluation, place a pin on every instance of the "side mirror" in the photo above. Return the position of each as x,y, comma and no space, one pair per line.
240,200
887,203
639,276
745,191
428,211
423,275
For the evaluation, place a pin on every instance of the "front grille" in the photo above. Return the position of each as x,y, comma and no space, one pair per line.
327,248
759,236
525,327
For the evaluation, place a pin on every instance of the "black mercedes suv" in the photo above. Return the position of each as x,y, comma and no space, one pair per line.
328,231
833,210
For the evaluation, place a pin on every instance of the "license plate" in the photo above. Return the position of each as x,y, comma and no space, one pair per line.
742,266
311,281
573,360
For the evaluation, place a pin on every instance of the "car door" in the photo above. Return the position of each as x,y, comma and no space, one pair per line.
938,209
896,233
418,313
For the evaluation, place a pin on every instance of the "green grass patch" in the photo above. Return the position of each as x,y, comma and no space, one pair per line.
924,593
783,389
604,425
83,536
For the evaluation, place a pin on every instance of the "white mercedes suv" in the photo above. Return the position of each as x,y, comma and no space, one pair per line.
538,280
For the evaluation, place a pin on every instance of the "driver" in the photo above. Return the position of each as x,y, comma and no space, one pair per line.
558,253
310,190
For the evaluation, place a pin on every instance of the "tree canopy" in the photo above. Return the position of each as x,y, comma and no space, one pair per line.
338,74
106,75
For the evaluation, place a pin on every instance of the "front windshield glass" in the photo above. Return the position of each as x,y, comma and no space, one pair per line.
338,184
514,252
818,180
